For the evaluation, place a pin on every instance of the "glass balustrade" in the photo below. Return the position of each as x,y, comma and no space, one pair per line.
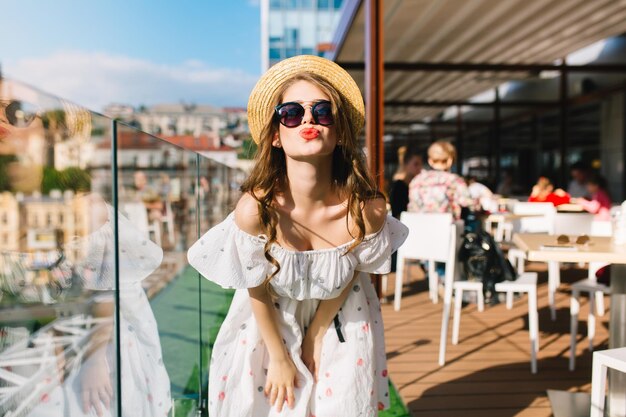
100,313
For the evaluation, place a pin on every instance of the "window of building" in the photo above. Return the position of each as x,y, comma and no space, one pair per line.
293,4
276,4
276,41
307,4
274,53
323,4
292,37
308,51
337,4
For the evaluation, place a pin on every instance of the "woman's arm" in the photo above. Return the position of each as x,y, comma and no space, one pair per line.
374,213
326,311
281,372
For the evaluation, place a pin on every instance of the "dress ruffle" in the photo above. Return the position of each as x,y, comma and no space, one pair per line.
235,259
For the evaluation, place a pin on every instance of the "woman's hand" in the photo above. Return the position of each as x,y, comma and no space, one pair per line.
311,352
281,381
96,384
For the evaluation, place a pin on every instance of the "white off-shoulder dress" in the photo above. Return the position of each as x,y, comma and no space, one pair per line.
352,378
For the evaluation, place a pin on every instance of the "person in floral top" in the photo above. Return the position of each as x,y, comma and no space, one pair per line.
438,190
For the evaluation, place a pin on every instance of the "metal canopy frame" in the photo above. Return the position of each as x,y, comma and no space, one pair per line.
562,105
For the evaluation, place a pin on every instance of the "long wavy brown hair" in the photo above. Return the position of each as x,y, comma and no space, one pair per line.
351,179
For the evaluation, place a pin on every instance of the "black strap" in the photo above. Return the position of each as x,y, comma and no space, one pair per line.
338,329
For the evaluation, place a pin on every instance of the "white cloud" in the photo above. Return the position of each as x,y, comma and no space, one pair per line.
95,79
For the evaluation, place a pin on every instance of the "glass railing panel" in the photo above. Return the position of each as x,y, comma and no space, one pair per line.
57,261
218,193
159,297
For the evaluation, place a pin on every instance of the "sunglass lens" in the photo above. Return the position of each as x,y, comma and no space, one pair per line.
20,114
323,113
291,114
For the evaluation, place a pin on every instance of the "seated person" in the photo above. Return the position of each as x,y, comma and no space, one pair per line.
544,192
480,194
600,201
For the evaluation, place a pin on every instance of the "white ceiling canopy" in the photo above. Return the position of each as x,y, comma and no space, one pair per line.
473,32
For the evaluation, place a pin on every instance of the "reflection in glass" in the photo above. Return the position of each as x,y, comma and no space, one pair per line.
58,289
58,349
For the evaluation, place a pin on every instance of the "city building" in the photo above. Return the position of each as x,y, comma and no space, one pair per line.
296,27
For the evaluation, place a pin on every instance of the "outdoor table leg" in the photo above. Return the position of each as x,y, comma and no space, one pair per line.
617,338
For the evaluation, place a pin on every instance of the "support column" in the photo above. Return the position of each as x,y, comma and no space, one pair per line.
623,196
563,107
374,99
459,141
497,155
374,94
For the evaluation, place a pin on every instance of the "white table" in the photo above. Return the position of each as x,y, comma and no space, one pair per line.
599,249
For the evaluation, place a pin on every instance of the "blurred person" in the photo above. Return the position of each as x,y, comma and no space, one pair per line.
480,193
544,192
577,187
600,201
399,174
437,190
412,165
505,187
145,193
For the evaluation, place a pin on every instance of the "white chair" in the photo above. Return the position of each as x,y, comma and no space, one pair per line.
526,283
569,404
168,221
459,288
448,288
596,292
539,220
601,228
138,215
602,360
429,239
517,258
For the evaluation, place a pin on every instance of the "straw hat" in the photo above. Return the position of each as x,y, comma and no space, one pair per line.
261,106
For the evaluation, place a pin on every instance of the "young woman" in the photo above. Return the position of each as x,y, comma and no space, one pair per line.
437,190
600,201
304,333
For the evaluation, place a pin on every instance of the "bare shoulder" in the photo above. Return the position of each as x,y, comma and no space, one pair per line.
247,215
374,214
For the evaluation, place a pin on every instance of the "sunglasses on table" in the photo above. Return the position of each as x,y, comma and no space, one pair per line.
580,240
290,114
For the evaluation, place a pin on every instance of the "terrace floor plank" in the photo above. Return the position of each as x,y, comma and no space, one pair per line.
488,372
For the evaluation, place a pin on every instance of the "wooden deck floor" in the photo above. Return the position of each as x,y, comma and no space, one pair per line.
488,373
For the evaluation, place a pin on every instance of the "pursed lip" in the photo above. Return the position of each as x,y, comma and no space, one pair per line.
309,133
4,132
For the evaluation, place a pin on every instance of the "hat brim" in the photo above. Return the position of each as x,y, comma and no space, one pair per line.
261,107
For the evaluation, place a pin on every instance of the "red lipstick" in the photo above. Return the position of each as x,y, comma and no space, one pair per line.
309,133
4,132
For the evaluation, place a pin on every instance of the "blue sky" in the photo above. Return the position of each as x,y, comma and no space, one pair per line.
134,51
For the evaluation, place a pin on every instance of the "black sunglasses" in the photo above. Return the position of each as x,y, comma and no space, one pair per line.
17,113
291,114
